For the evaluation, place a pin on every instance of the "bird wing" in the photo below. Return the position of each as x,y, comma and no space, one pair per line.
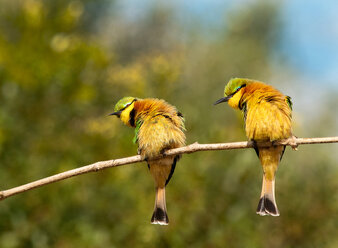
137,129
158,133
268,121
288,101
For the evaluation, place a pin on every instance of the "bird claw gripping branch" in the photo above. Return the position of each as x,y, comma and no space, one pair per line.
293,143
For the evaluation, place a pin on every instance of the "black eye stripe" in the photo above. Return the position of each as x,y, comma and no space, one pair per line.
242,86
125,107
128,104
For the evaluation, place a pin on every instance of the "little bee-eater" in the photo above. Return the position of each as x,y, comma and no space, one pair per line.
158,127
267,117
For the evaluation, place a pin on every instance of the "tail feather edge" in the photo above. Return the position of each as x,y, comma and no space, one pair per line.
267,203
160,212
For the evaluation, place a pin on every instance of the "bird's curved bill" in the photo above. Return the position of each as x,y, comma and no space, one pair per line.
118,113
224,99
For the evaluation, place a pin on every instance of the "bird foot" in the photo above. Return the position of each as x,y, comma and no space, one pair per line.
293,143
162,152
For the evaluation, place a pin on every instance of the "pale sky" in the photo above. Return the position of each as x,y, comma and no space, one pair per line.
309,41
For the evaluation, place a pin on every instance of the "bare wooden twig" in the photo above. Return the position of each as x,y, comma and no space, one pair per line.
195,147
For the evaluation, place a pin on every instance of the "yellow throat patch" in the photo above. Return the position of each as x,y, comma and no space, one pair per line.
234,100
125,114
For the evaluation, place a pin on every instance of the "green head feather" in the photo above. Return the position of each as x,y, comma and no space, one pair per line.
124,102
235,84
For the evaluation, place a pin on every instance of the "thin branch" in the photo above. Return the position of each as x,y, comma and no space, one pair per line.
195,147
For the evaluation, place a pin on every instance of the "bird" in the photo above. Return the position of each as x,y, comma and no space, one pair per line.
267,117
158,126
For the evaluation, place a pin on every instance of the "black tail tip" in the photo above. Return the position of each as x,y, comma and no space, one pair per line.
160,217
267,207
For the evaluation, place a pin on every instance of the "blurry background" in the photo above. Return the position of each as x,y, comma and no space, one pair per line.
63,66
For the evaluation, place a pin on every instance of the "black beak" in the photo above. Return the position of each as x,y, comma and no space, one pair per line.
224,99
118,113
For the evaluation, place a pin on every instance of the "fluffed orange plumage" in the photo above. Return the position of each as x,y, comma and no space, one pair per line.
162,127
268,115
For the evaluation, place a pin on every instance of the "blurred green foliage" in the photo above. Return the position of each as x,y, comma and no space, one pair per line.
64,64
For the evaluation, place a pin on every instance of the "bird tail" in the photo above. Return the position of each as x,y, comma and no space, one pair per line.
267,203
160,212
